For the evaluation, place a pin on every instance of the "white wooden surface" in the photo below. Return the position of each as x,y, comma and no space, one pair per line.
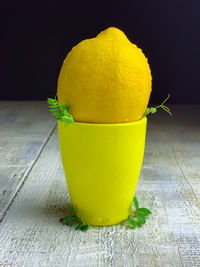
169,184
24,130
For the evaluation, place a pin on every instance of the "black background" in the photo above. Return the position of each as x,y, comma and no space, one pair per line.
36,36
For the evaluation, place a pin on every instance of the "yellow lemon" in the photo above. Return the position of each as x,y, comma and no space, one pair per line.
105,79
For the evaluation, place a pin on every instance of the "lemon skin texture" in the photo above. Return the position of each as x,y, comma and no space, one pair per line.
106,79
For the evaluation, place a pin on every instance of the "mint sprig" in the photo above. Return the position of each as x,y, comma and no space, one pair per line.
60,110
154,109
75,221
138,216
136,219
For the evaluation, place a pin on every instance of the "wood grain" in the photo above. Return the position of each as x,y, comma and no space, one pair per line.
169,184
25,118
24,129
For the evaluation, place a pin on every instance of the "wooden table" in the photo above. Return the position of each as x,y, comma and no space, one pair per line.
33,196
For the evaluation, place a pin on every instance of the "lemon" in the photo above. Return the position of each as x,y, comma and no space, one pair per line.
106,79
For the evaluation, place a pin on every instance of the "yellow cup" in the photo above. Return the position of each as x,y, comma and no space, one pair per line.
102,164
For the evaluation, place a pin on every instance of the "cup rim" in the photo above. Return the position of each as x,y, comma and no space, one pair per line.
143,120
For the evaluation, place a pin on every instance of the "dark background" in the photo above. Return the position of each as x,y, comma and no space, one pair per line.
36,36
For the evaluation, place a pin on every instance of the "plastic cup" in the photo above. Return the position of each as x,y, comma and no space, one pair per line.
102,163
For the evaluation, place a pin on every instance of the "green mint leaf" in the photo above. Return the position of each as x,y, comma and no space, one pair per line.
68,108
78,226
84,228
139,224
60,110
67,218
132,222
73,211
141,218
149,110
154,109
72,223
145,211
136,203
74,220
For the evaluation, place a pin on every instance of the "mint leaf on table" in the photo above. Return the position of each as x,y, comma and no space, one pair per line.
132,222
137,216
141,218
75,221
136,202
145,211
136,219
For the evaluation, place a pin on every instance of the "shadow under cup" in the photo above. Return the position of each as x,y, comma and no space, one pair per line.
102,163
